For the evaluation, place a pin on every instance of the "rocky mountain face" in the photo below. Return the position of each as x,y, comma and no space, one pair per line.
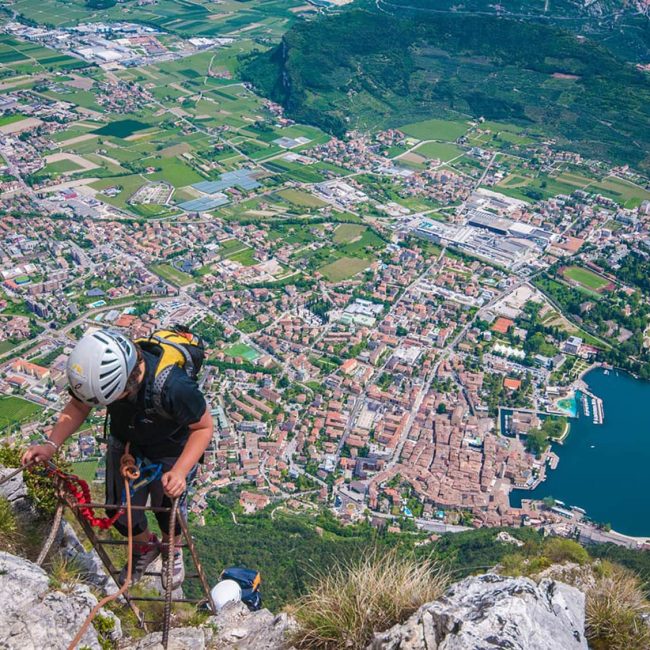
476,613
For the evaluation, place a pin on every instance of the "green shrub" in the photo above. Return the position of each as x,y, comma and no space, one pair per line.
345,606
615,611
559,549
39,486
8,526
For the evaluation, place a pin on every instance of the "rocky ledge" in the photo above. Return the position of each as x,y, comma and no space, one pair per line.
492,611
488,611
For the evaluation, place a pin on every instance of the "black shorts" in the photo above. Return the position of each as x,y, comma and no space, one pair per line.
152,493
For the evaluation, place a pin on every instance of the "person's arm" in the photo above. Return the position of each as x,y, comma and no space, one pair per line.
70,419
173,481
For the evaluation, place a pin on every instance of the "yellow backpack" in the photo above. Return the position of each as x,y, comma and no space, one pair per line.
176,346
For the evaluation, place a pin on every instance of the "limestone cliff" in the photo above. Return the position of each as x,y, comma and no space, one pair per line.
478,612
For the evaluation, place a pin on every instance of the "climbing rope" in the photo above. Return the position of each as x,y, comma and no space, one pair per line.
56,524
171,542
129,471
22,468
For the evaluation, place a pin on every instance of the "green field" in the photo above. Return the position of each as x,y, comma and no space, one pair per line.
237,251
446,130
301,199
10,119
242,350
347,232
122,128
174,171
169,273
344,268
14,410
585,277
623,192
85,469
439,150
244,257
59,167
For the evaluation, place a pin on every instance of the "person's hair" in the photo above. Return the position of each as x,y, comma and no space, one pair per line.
132,380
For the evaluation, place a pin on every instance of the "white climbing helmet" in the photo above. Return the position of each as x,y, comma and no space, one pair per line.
224,592
99,367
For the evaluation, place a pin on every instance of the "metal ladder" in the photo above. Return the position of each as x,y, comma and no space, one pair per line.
99,544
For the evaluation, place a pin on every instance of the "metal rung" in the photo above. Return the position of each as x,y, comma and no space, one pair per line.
123,542
114,506
160,599
158,574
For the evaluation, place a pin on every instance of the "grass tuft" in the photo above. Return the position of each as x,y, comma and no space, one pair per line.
347,605
8,526
616,611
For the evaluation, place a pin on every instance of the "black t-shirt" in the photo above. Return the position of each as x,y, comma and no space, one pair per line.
156,436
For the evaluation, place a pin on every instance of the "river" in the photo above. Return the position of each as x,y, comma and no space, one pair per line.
604,468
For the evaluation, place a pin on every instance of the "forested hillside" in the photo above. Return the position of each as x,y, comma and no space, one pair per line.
290,550
366,69
618,24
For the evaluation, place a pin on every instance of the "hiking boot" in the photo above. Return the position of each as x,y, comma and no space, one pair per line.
144,553
178,570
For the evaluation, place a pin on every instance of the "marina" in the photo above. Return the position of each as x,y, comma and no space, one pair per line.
603,463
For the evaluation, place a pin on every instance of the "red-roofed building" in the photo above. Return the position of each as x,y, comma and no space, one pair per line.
509,383
502,325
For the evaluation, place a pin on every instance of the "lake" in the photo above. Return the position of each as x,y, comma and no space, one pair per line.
604,468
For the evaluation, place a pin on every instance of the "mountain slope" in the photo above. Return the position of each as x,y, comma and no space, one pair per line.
366,69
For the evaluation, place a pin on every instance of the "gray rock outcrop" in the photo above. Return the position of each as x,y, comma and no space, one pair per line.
34,617
15,490
233,628
492,611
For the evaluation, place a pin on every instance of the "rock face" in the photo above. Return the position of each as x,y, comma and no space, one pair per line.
492,611
234,628
15,491
33,617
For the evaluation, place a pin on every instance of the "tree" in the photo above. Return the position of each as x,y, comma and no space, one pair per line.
441,408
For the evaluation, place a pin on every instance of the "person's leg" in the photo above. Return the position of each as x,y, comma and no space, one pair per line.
146,545
163,518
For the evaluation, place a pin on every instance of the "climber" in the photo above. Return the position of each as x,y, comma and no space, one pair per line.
153,402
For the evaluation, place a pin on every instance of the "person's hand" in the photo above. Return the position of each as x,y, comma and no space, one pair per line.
38,454
173,483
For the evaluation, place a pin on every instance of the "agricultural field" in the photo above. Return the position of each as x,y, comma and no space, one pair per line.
443,130
585,278
10,119
348,232
627,194
171,274
14,410
343,268
301,199
182,17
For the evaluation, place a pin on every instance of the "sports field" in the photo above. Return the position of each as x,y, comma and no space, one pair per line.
585,278
14,410
439,150
243,351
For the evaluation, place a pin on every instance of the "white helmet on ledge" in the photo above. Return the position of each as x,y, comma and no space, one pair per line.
99,366
224,592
